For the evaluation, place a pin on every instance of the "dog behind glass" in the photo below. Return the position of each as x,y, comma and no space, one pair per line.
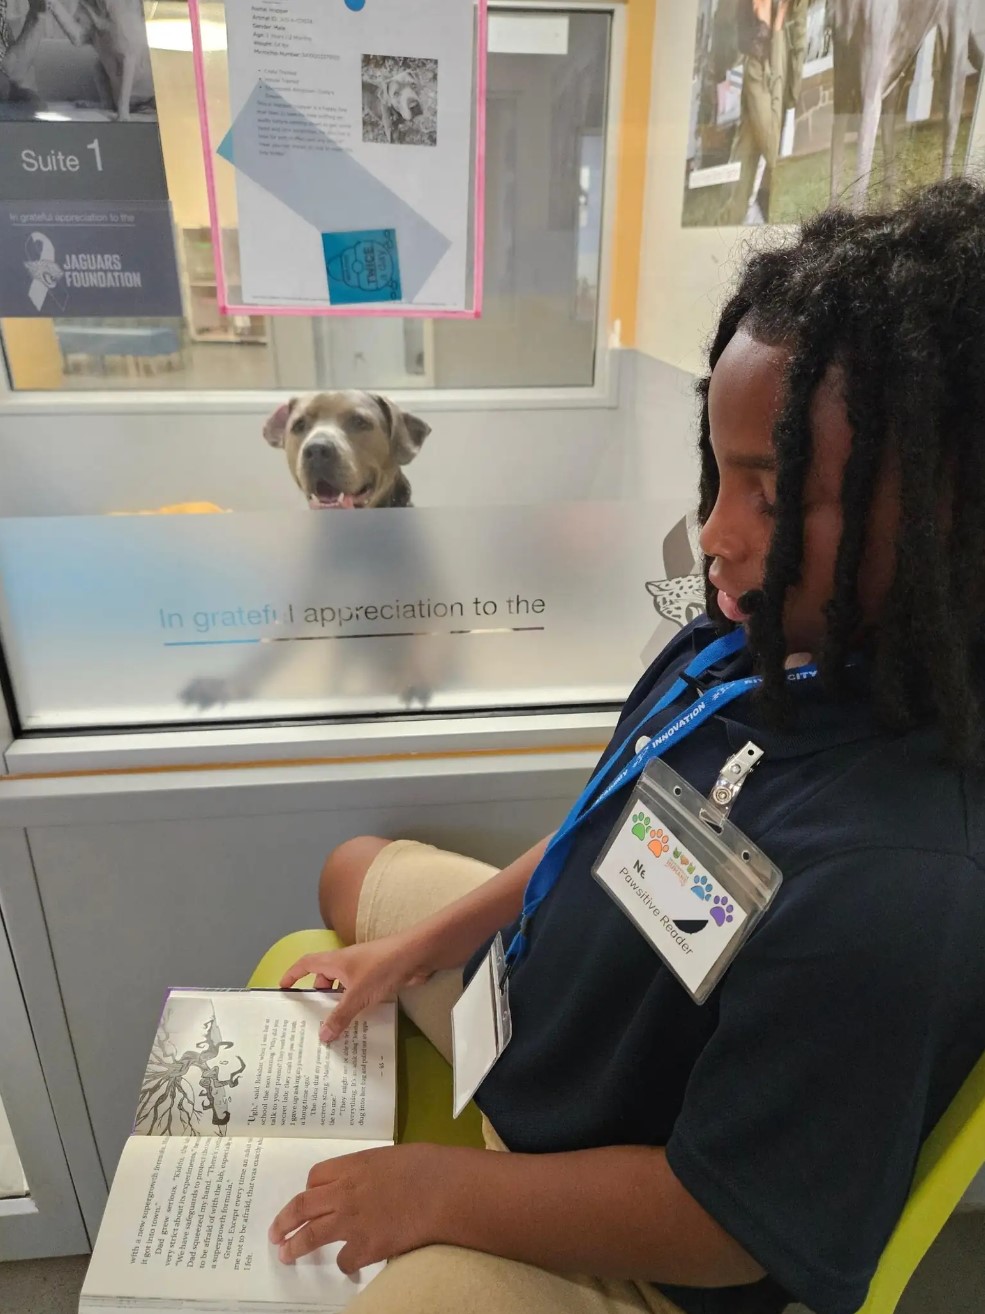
346,450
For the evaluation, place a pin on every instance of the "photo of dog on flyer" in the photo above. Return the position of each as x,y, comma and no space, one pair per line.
400,100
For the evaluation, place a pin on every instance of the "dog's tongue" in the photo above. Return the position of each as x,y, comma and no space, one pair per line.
326,498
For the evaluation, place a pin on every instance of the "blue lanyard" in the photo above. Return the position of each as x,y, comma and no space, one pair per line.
549,869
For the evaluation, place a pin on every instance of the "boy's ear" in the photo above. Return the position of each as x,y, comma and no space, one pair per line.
275,429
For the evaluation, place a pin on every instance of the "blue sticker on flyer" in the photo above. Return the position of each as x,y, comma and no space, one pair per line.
362,266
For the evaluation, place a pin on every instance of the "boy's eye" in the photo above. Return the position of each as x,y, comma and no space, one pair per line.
767,507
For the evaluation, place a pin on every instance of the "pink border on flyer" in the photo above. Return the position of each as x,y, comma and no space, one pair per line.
404,312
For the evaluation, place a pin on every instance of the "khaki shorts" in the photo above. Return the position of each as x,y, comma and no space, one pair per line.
406,883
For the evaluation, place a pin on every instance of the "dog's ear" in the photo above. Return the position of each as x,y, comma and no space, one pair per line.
407,432
275,430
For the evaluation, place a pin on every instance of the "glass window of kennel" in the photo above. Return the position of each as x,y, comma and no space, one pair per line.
532,389
551,138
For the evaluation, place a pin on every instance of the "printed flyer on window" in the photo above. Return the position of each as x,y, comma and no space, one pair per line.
353,133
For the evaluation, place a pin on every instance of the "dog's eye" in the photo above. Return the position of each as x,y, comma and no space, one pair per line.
299,425
360,422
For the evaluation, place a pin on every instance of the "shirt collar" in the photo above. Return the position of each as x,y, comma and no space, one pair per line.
818,719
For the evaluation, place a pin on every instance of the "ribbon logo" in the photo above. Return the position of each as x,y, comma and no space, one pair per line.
45,272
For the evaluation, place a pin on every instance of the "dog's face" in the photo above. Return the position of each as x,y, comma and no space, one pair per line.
401,95
345,449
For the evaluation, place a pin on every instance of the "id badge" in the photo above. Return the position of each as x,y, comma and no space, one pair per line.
690,880
481,1026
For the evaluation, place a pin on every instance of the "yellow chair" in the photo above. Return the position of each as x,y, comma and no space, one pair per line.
952,1155
420,1068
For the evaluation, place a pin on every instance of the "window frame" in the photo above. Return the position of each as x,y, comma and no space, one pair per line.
555,734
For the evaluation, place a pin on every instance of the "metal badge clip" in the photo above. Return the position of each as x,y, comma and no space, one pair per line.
733,776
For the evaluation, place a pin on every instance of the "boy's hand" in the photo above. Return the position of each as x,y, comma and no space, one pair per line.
367,972
381,1203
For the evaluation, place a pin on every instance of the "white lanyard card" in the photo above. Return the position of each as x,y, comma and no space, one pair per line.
481,1026
690,880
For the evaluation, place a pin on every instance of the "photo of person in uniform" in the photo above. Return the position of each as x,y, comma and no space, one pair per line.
772,38
799,104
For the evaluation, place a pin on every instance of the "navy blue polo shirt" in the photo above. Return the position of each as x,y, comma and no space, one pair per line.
793,1103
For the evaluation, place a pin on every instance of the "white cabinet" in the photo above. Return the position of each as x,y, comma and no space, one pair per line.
47,1219
13,1183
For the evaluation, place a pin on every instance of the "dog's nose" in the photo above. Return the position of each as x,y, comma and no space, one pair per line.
325,456
318,451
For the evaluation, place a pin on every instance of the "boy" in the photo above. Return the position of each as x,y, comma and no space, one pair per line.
731,1157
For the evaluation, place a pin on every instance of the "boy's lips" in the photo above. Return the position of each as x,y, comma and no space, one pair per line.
728,605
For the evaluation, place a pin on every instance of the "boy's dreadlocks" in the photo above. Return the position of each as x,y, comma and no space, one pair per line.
897,301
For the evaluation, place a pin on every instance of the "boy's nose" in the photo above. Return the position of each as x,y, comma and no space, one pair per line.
719,539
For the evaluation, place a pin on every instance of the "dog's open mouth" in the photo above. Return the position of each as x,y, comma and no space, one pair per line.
328,498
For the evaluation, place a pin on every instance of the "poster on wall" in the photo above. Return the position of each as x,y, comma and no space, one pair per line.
86,258
85,222
797,103
354,136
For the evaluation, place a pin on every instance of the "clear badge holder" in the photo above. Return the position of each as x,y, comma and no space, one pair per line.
481,1026
693,883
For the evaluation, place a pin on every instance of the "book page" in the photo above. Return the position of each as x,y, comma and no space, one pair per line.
249,1062
187,1220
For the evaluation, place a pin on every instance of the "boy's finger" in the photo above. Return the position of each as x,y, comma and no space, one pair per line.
338,1019
303,967
294,973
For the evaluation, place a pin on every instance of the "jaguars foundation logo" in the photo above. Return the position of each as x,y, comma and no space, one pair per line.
680,596
46,274
680,600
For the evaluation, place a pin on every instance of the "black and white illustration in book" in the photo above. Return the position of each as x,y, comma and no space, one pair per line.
191,1075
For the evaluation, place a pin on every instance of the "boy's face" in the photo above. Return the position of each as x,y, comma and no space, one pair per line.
745,398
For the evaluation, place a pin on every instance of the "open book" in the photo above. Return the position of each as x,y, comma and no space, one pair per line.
239,1101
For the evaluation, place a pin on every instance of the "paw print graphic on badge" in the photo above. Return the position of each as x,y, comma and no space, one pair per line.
641,824
659,843
722,911
702,888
